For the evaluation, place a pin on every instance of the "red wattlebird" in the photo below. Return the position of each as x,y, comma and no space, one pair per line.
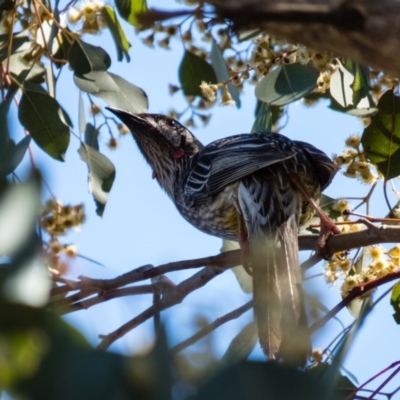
253,188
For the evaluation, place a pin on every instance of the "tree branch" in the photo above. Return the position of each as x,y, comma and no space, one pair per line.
174,296
356,29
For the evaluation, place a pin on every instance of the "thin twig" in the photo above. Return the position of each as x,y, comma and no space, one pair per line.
105,296
211,327
354,293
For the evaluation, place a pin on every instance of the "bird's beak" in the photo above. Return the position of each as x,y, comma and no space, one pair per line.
135,122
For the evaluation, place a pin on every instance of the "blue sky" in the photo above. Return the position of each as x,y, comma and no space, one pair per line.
141,226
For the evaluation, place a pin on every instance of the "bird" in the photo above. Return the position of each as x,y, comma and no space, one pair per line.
257,189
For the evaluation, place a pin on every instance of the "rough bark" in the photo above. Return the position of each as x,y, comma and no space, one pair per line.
367,31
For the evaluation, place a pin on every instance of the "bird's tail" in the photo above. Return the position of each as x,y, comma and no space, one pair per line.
278,300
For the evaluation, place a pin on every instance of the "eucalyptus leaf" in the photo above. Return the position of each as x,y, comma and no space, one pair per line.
129,9
20,61
241,345
16,41
340,86
395,302
92,136
263,121
84,58
192,71
121,42
381,138
40,114
19,207
113,89
242,276
286,84
221,71
81,114
14,155
101,175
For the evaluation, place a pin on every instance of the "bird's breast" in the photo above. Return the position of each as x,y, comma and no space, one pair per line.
216,216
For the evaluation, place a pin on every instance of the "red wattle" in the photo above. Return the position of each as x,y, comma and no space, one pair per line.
178,154
154,175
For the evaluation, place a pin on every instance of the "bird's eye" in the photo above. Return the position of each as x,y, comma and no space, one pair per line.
171,123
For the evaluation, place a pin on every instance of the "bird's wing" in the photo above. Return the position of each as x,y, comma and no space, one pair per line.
325,169
231,159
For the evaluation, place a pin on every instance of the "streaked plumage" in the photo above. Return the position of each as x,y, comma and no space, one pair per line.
241,188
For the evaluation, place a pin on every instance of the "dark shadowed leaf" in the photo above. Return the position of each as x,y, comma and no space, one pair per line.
84,58
381,138
395,302
113,89
343,386
192,71
91,136
286,83
121,42
221,71
6,5
101,175
18,39
40,114
5,140
263,121
129,9
15,153
261,381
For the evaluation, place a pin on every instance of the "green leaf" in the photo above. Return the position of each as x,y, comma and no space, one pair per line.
101,175
129,9
81,114
113,89
18,64
91,136
221,71
241,345
121,42
381,138
14,155
356,305
245,281
84,58
341,86
192,71
395,302
19,207
263,121
18,39
248,34
360,87
286,83
40,114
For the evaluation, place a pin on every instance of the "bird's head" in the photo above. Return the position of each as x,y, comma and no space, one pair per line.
165,143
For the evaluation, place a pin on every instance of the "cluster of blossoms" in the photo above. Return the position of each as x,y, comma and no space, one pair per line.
90,15
381,263
56,219
355,162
